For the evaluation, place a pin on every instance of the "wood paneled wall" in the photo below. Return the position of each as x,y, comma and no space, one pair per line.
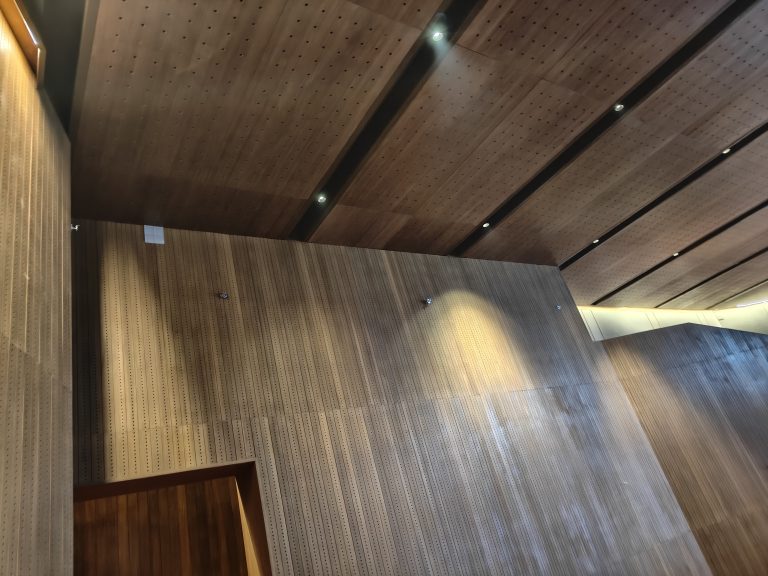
181,530
35,333
702,397
485,433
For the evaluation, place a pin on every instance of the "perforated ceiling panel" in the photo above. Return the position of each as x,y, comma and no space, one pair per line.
194,112
525,79
731,189
716,99
737,244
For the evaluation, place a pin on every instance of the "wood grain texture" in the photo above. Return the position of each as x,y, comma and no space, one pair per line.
701,395
188,529
227,115
485,433
726,192
714,100
523,81
35,330
738,243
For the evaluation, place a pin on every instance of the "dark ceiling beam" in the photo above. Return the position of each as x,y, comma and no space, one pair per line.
630,100
724,300
450,21
693,246
685,182
718,274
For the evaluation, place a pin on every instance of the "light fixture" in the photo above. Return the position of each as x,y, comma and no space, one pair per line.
618,107
427,301
223,295
437,35
727,151
486,224
596,240
321,198
676,254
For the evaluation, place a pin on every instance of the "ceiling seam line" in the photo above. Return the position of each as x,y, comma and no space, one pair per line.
692,246
672,191
738,294
637,94
451,18
714,276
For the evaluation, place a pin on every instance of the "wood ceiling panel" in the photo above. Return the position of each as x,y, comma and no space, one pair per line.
758,293
530,92
247,97
725,286
724,193
717,98
416,13
737,243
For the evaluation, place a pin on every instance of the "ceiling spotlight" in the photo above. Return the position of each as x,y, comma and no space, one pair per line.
596,240
486,224
676,254
438,35
618,107
726,151
321,198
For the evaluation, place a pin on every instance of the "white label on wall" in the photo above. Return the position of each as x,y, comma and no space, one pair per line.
154,235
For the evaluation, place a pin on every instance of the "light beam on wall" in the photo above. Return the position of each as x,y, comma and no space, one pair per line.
26,35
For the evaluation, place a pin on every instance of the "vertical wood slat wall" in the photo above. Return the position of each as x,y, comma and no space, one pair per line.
701,394
185,529
35,331
485,433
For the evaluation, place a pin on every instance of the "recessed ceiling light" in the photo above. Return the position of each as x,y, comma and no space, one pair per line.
676,254
486,224
726,151
618,107
321,198
437,35
596,240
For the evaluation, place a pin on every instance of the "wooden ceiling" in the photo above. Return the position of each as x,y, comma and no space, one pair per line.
233,116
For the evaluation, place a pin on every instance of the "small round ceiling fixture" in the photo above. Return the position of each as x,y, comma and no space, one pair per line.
486,224
727,151
322,198
618,107
437,35
596,241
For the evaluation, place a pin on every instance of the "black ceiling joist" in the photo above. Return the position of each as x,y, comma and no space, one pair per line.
685,182
685,250
450,20
710,278
644,89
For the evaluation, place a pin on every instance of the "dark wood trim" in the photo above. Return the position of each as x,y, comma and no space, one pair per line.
141,484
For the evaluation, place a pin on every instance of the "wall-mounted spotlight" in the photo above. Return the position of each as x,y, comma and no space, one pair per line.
437,35
322,198
26,35
223,295
427,301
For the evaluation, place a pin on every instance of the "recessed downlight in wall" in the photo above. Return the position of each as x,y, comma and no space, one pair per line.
727,151
486,224
322,198
618,107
